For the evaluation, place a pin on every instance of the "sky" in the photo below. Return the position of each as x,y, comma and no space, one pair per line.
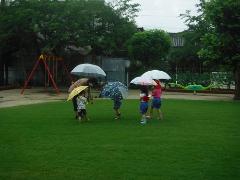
164,14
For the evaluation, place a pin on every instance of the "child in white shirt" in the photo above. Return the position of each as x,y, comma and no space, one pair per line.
81,106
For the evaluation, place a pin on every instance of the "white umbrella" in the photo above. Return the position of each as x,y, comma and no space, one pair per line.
145,81
156,74
88,70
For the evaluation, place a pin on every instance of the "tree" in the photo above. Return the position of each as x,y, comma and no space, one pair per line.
221,35
125,8
185,57
149,47
55,24
46,26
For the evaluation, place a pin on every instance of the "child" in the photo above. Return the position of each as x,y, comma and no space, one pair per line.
74,101
144,103
117,104
156,101
81,106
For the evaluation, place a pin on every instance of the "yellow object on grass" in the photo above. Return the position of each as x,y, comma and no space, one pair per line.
76,91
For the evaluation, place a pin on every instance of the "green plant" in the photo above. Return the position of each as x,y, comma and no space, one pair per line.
44,141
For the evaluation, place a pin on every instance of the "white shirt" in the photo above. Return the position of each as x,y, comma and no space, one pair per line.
81,102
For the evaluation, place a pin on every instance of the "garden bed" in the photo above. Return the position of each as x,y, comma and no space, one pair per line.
212,91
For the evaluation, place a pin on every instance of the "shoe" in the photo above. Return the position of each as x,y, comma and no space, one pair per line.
118,116
143,121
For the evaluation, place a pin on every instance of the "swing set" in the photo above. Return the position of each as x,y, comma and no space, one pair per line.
51,64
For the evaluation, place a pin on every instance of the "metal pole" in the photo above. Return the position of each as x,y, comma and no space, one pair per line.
31,75
51,77
4,74
176,74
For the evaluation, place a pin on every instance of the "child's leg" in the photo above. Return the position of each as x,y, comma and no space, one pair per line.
74,101
85,115
160,114
80,115
116,107
117,113
143,110
143,120
150,113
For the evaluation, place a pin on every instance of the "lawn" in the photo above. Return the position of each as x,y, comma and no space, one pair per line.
196,140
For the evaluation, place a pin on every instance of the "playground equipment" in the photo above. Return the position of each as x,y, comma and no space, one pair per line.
195,87
50,63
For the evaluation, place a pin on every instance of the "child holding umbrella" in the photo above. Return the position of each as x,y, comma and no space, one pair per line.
156,101
116,91
81,106
116,105
144,98
77,95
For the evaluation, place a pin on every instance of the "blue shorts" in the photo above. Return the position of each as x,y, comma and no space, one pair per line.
156,103
117,104
143,107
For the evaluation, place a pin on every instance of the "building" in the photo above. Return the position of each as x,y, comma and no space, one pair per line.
177,39
116,69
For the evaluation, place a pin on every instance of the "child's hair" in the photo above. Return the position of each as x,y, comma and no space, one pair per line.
144,90
82,93
92,82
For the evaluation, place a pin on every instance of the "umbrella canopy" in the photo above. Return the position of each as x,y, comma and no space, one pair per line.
145,81
80,82
156,74
76,91
114,90
88,70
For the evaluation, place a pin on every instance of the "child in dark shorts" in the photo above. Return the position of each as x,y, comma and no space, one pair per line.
116,106
74,101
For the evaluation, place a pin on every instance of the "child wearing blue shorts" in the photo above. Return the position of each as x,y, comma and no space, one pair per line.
144,104
156,101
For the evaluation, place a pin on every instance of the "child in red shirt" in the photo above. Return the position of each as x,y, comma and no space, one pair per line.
144,103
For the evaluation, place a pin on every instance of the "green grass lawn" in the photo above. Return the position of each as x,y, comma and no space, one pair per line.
196,140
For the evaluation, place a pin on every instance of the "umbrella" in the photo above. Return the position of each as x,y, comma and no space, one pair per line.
76,91
88,70
156,74
114,90
80,82
145,81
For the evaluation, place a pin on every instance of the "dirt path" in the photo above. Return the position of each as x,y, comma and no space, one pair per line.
9,98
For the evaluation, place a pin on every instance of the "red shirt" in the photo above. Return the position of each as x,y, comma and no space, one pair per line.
144,98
